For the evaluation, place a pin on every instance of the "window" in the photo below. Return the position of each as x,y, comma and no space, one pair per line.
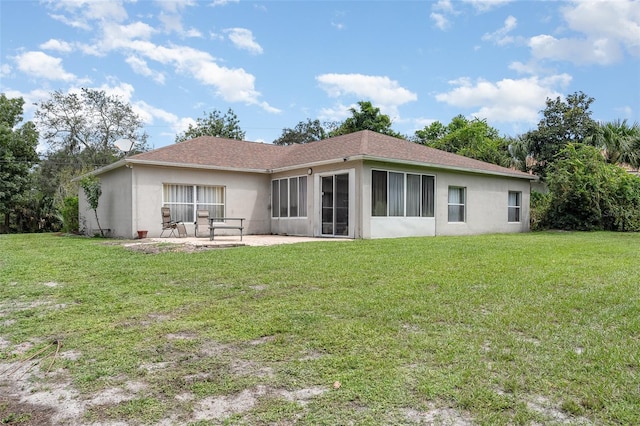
378,193
514,206
185,200
289,197
396,194
402,194
456,204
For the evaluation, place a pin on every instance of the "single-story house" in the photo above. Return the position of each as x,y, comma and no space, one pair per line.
360,185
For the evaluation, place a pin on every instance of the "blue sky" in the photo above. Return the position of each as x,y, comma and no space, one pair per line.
276,63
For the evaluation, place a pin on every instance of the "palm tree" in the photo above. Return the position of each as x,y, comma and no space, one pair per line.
619,141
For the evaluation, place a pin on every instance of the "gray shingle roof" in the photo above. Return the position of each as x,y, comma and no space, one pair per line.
211,152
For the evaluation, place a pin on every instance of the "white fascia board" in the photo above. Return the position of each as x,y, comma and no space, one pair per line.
101,170
451,168
194,166
313,164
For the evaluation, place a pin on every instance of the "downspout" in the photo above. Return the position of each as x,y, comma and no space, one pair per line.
134,201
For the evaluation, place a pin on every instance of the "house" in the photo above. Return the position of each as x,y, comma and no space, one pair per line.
360,185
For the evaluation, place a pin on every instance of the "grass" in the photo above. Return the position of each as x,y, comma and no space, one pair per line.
499,329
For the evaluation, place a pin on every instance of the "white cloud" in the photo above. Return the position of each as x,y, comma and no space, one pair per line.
149,113
242,38
72,22
223,2
444,6
501,37
383,92
617,21
507,100
440,21
232,84
81,12
339,112
486,5
601,51
139,66
174,6
117,37
39,64
133,41
5,69
58,45
124,91
604,31
171,19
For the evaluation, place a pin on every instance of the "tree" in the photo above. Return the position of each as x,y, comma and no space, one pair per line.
470,138
367,118
17,155
586,193
214,124
89,123
92,191
430,134
563,122
304,132
81,130
619,141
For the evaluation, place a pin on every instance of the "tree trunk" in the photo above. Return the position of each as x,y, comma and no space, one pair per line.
98,222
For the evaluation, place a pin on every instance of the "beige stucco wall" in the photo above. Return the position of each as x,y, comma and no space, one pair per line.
132,198
311,224
114,205
247,196
486,205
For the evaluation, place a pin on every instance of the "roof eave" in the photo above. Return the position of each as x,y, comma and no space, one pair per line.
101,170
195,166
448,167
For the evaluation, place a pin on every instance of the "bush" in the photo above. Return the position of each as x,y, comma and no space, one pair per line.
539,209
586,193
69,209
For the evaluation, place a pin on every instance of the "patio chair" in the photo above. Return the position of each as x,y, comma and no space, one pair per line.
202,222
167,223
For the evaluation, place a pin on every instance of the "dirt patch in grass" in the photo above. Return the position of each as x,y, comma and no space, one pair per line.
438,416
156,248
33,395
15,412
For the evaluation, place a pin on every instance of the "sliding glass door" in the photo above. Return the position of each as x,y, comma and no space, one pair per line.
335,204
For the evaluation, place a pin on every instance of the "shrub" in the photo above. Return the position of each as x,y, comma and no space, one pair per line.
586,193
70,214
539,209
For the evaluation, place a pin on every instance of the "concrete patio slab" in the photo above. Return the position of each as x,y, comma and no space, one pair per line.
222,241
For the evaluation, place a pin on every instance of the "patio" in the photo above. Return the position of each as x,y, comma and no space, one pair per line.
222,241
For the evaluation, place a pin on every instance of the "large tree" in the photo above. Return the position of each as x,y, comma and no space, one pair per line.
471,138
619,141
367,117
563,122
214,124
86,125
17,156
81,129
303,132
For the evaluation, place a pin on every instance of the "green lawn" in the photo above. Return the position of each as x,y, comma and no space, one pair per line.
536,328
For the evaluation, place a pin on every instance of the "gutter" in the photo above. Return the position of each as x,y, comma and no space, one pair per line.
517,175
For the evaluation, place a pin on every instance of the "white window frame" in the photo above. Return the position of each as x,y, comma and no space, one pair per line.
457,204
404,196
194,204
281,202
515,208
